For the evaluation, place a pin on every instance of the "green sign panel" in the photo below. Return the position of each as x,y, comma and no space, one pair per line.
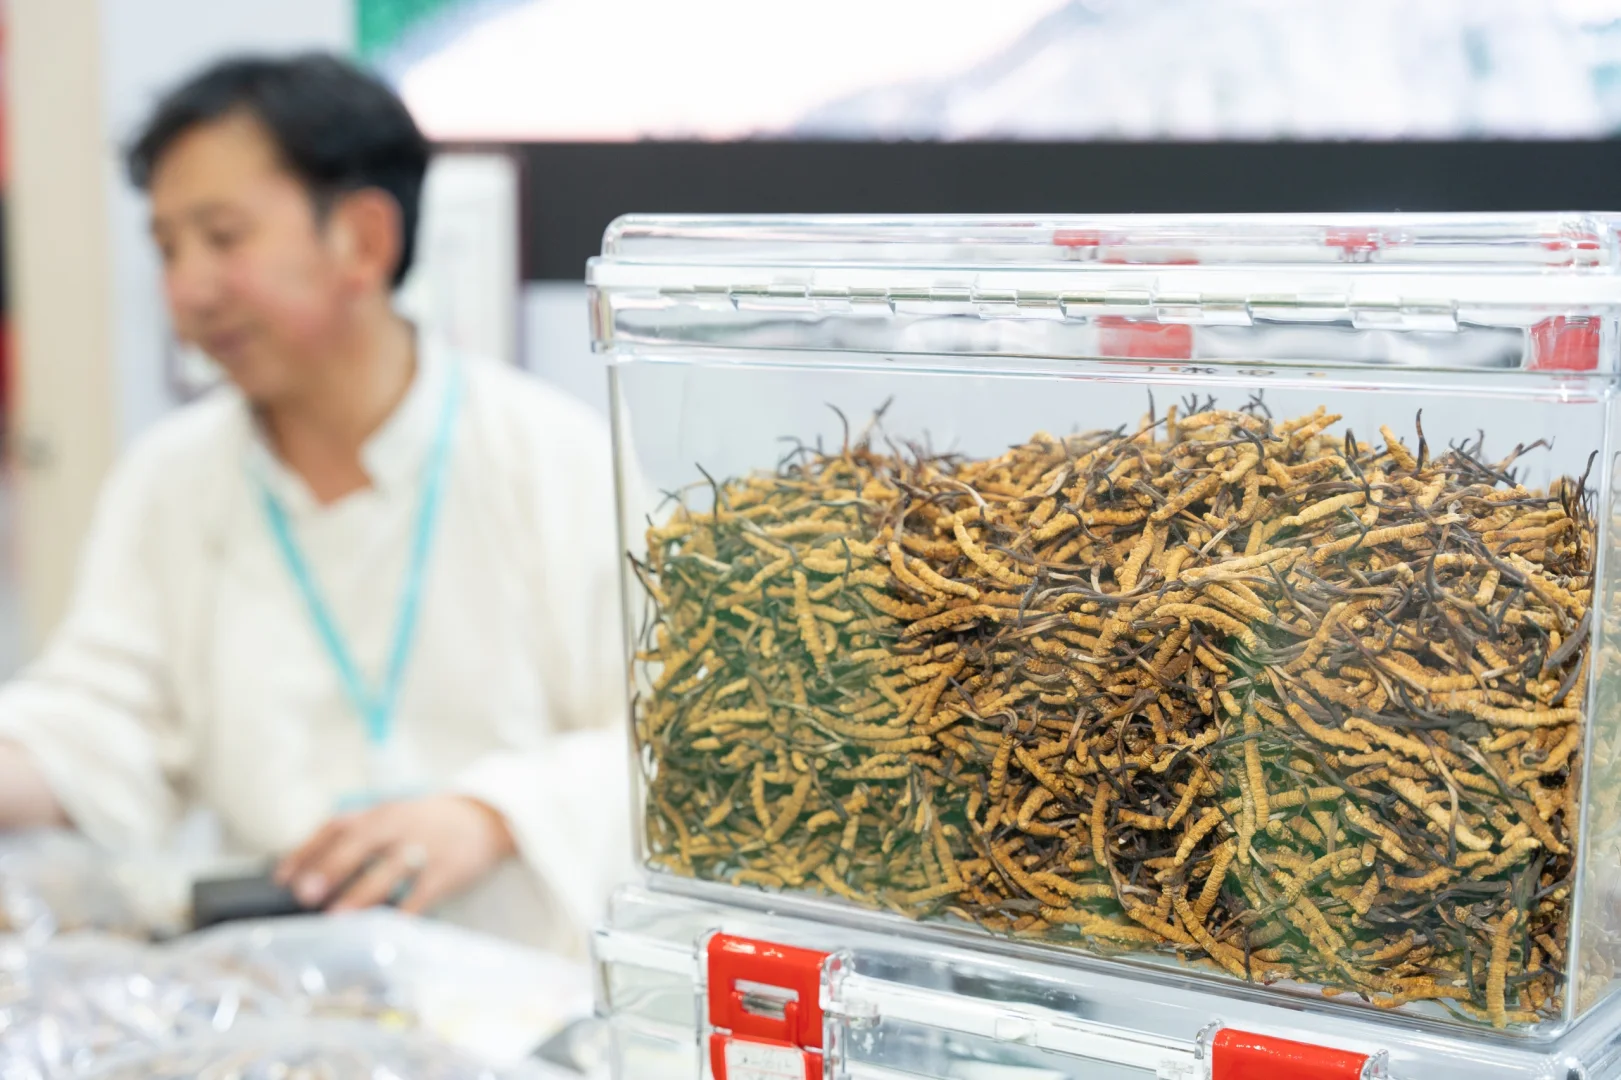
382,23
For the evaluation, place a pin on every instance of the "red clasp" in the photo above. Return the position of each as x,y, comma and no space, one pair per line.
1565,343
1579,248
1356,245
1129,338
765,1010
1138,340
1097,245
1080,239
1240,1055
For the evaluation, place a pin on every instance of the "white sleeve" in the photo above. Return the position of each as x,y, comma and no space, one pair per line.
567,807
94,713
590,690
568,801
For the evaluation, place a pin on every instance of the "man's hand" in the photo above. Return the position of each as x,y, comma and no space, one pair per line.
434,847
26,802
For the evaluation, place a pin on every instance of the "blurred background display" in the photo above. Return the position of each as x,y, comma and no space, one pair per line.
579,70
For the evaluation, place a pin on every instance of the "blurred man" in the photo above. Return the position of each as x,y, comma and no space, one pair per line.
361,603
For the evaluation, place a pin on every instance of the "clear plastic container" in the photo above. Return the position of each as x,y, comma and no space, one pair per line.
68,1003
907,1005
484,996
55,882
1221,593
328,1050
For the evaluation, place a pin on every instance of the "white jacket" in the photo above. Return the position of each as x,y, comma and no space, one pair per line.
188,671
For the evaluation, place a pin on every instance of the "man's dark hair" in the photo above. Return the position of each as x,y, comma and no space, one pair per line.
337,128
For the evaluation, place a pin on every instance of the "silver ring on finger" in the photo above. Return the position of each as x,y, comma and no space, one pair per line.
414,857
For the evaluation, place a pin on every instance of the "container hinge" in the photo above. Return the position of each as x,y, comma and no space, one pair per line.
864,1000
1370,313
764,1010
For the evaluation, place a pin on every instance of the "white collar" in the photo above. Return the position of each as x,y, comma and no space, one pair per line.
393,457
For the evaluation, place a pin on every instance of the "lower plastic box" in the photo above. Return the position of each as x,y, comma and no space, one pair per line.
699,986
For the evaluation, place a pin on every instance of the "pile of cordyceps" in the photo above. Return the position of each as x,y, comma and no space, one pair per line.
1271,699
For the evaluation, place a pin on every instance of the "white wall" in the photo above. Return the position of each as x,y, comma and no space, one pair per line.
464,288
557,341
58,256
148,46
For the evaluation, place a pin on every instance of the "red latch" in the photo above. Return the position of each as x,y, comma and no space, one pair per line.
1356,245
1239,1055
1125,338
1078,238
1581,248
1565,344
766,1011
1097,244
1129,338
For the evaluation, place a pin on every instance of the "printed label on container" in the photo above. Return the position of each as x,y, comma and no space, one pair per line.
762,1061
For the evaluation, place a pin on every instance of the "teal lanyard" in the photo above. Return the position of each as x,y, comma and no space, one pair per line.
376,709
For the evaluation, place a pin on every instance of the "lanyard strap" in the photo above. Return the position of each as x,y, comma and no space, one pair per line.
376,710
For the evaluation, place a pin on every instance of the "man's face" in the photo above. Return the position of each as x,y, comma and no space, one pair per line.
252,277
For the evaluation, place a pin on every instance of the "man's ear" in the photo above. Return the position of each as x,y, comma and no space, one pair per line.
367,233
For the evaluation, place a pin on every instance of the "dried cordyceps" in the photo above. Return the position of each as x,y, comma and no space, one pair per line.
1276,701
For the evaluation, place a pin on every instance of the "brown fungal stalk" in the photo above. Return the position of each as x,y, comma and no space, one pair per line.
1271,700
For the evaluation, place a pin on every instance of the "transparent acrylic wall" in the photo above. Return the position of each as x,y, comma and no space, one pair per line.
1272,671
1599,897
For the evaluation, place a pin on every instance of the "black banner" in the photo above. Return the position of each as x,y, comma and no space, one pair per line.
573,190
